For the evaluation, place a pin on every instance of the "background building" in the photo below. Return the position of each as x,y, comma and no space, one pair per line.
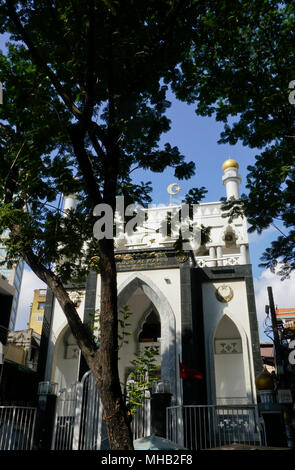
6,300
19,371
286,317
37,311
14,278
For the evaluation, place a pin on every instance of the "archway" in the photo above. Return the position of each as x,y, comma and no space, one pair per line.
143,297
230,383
66,361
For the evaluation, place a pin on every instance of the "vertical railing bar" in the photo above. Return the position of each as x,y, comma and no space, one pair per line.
64,434
11,428
196,429
166,421
6,417
215,426
222,428
238,427
92,401
24,425
89,413
62,430
209,426
94,417
55,425
7,426
26,428
99,431
258,427
14,429
1,413
24,432
95,439
61,423
190,424
27,431
197,426
34,411
28,419
185,427
77,417
249,427
205,411
3,419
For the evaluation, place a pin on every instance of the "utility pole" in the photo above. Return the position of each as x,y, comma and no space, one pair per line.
276,337
280,366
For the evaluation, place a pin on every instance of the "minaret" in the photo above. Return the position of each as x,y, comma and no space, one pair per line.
231,178
70,202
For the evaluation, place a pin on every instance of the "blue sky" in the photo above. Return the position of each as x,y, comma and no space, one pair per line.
196,138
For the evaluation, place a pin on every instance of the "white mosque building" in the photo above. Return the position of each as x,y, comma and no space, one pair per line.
196,304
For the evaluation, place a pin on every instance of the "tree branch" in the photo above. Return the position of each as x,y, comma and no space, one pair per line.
77,134
39,61
79,329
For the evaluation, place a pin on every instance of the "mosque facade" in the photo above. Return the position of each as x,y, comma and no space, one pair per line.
195,305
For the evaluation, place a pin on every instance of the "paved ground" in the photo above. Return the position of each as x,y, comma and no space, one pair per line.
249,447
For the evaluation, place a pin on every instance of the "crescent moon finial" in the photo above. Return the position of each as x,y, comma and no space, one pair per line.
174,186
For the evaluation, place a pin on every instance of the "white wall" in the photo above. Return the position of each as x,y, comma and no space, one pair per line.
58,369
237,310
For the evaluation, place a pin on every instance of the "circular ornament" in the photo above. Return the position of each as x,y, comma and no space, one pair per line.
224,293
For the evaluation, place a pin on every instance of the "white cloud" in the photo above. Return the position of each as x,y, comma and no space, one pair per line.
29,282
283,294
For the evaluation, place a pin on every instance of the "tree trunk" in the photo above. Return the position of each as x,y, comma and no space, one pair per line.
115,413
102,362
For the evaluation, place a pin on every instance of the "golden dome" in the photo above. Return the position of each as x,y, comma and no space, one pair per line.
264,381
230,163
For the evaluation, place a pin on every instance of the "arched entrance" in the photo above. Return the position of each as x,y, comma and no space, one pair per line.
230,383
66,360
147,304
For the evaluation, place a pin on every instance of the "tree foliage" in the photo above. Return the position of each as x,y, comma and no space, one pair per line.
87,110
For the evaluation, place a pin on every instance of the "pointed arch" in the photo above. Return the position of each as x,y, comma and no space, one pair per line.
168,333
247,369
66,357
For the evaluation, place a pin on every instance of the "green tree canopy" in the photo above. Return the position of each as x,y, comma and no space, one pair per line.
85,99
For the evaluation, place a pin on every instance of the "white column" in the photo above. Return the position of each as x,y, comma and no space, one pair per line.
243,251
70,202
212,255
219,255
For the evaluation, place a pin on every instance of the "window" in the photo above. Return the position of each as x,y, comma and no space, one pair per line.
151,329
41,305
39,318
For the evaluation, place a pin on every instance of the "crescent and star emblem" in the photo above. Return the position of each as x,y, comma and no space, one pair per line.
173,189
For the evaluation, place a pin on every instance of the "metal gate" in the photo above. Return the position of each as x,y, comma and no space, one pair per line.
17,427
78,421
200,427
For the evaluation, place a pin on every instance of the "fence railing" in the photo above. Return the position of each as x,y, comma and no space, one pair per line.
199,427
78,420
17,425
